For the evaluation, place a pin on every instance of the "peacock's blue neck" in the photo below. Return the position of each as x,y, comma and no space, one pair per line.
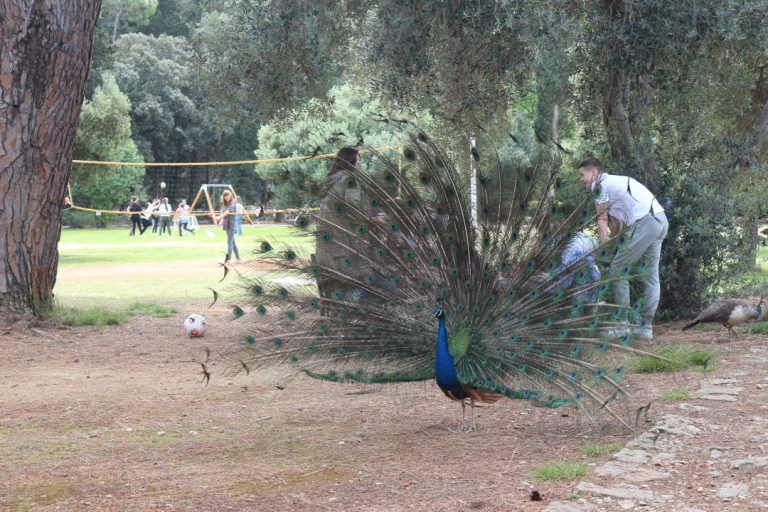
445,368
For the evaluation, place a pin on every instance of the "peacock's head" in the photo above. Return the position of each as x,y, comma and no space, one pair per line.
438,312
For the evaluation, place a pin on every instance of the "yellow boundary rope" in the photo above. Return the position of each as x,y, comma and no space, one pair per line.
205,164
193,214
214,164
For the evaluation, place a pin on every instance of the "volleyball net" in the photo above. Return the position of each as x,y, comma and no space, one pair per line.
179,181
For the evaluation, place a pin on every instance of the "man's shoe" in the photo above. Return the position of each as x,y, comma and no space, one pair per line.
644,333
617,331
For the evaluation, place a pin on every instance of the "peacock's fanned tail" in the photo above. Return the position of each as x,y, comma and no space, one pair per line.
407,241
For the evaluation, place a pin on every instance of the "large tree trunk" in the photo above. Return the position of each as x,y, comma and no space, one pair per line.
45,55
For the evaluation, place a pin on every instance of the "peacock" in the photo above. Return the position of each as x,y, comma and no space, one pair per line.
729,313
415,284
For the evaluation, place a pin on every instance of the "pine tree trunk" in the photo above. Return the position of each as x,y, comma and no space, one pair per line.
45,55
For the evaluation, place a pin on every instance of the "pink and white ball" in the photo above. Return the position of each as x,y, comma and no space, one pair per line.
195,325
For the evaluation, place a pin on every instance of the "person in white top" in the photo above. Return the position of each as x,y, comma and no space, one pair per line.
622,201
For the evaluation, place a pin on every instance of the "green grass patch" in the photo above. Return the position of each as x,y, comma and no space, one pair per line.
675,358
151,309
592,449
758,328
37,493
101,316
78,317
677,394
561,471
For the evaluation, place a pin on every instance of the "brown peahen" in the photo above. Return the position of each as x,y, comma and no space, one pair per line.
729,313
421,290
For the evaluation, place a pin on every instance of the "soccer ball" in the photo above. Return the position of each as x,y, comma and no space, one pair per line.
162,184
195,325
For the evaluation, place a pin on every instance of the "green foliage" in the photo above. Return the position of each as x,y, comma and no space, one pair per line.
104,133
593,449
325,126
78,220
281,53
175,17
677,394
675,358
155,73
121,16
568,471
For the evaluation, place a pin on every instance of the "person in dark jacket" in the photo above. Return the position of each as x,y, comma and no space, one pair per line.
135,208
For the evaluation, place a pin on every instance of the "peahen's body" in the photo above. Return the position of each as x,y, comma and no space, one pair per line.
730,313
411,243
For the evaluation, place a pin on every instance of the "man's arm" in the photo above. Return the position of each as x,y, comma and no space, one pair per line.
602,222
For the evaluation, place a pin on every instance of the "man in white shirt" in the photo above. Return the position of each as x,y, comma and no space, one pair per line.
621,200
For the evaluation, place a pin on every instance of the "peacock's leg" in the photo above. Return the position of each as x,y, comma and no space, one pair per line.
474,416
462,427
466,426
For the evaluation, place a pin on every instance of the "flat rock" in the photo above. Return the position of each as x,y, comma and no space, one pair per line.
567,506
719,382
718,397
692,408
630,455
732,490
673,424
623,492
749,462
631,472
646,440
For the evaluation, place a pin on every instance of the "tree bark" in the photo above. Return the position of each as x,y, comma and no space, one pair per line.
45,55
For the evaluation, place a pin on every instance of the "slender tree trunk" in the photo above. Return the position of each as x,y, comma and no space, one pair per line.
45,55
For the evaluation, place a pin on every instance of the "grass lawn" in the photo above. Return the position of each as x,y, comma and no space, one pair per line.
108,268
114,246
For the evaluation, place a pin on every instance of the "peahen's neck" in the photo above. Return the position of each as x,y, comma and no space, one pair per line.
445,368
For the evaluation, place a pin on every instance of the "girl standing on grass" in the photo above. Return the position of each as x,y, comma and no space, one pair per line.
164,211
228,223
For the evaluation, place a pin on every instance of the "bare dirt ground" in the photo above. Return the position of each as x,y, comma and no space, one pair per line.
117,419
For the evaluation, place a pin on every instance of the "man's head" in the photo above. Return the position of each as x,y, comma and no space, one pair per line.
589,169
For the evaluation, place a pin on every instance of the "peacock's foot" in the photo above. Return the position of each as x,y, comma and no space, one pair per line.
466,426
463,428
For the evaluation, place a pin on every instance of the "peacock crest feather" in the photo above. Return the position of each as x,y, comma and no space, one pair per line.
391,244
